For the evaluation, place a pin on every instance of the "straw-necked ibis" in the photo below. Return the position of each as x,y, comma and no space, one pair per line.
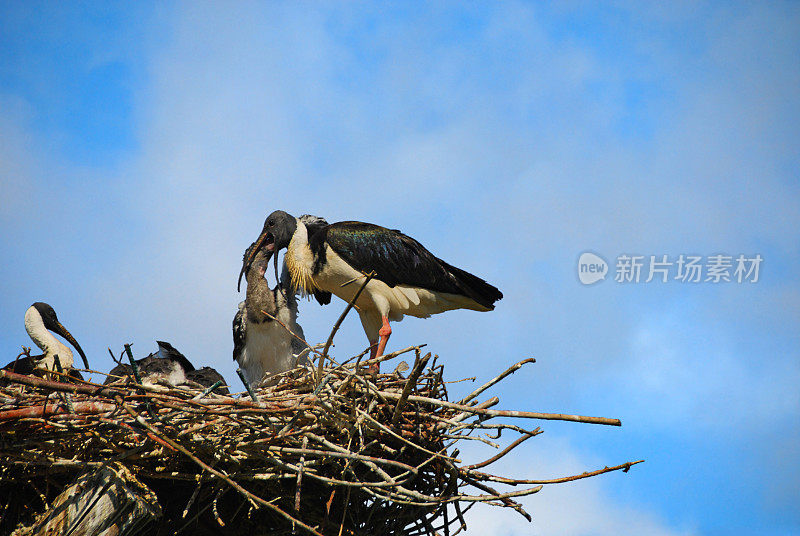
261,345
409,280
40,320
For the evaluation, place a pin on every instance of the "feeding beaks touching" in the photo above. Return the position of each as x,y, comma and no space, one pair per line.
276,235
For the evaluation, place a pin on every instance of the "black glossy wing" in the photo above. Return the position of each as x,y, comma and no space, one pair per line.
322,297
168,351
399,259
27,366
314,224
22,365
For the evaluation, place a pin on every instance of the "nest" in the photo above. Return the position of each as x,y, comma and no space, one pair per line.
328,452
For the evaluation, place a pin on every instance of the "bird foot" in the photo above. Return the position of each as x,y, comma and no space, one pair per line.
373,369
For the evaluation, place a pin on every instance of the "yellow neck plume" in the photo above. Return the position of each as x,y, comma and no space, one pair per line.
300,272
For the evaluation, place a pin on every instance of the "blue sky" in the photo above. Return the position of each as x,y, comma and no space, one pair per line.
142,146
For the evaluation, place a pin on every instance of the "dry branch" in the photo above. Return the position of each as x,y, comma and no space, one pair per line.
329,454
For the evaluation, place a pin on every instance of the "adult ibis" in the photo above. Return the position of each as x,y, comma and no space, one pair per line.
408,280
40,321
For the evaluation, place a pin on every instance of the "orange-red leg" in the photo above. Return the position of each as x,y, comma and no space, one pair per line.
384,334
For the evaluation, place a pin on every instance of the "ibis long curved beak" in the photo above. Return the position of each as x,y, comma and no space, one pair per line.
277,277
61,330
250,255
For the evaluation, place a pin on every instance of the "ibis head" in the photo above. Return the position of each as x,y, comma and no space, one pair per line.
278,230
51,322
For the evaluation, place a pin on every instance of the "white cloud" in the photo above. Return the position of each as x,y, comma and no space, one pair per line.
502,150
251,110
17,160
701,377
581,508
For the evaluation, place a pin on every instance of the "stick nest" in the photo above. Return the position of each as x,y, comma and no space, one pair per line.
340,452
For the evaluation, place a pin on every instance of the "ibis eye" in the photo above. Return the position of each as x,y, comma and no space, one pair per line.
271,222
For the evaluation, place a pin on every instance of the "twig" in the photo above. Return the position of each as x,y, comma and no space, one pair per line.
292,333
65,397
505,451
625,467
510,370
218,474
419,366
214,507
505,497
508,413
134,365
367,278
247,385
117,360
135,368
384,449
296,416
209,390
48,411
43,383
300,476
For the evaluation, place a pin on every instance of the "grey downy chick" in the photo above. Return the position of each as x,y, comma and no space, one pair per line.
170,368
261,346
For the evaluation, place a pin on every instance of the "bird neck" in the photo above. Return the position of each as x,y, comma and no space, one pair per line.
45,340
259,296
299,260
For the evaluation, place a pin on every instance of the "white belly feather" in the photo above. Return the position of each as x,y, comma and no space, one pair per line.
174,377
266,351
268,347
393,302
378,299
